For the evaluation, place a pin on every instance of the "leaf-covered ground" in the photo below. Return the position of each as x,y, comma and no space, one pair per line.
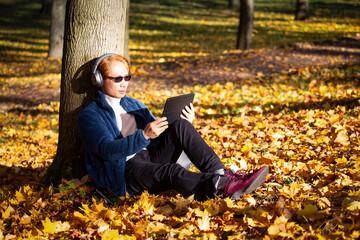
293,106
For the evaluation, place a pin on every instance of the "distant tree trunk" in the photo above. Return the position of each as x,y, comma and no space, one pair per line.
234,4
57,29
92,28
244,37
302,9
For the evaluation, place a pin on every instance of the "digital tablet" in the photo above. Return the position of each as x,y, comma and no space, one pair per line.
174,106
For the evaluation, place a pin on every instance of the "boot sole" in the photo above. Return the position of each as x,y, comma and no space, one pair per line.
257,182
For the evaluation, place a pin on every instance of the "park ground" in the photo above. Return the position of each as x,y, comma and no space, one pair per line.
291,102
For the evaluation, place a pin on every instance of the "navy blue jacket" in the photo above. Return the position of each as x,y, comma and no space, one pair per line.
105,148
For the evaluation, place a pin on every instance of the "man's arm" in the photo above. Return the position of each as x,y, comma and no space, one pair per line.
97,137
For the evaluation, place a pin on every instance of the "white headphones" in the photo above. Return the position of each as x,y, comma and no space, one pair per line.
96,77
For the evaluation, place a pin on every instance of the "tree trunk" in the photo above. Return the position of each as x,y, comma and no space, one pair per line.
244,37
92,28
234,4
302,9
127,32
57,29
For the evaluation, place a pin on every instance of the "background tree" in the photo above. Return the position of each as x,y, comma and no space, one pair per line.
92,28
302,9
234,4
57,29
246,22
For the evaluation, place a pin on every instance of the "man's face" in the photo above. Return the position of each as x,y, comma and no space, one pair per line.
112,88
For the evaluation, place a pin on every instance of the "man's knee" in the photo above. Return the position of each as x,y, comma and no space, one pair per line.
182,123
182,128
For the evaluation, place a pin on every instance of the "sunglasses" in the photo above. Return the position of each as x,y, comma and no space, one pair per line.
120,78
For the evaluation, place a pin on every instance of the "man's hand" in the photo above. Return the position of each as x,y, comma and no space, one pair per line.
188,113
155,128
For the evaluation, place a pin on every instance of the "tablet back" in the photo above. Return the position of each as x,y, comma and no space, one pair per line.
174,106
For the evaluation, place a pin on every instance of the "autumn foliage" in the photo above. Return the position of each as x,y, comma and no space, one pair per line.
301,121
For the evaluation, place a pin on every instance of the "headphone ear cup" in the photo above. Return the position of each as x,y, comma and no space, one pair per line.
97,79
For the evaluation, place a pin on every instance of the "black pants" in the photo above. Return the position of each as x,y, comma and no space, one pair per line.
155,170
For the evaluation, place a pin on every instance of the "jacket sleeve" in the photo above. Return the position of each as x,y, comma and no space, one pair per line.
97,134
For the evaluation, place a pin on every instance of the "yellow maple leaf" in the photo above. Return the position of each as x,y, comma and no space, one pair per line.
278,226
62,226
343,180
323,202
354,206
320,237
261,125
141,226
321,123
323,90
334,118
25,220
80,216
282,228
291,191
100,225
253,222
274,230
355,235
182,203
158,217
250,200
6,213
204,222
54,227
311,213
146,203
88,212
245,148
341,162
111,235
43,123
342,138
49,227
308,210
20,197
98,207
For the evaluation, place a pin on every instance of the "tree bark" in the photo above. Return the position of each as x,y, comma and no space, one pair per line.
244,38
57,29
234,4
302,9
127,32
92,28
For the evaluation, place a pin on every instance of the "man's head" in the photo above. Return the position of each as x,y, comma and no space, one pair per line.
115,72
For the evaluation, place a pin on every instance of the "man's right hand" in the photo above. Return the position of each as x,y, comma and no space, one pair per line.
155,128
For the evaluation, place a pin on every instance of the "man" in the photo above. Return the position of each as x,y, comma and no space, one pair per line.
129,150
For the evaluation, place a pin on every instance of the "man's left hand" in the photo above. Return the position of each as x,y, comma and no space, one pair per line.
188,113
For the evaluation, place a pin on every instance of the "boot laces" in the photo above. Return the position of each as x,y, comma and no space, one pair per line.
235,175
240,173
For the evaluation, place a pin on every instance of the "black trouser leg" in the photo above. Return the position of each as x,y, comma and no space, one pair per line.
142,174
182,136
155,170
